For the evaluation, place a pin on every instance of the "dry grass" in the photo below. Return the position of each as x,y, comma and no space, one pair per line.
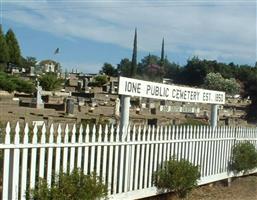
244,188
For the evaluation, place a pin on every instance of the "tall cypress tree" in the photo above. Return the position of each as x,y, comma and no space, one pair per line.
162,53
134,57
13,47
4,53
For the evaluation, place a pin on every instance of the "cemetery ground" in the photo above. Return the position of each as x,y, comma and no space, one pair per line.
12,112
243,188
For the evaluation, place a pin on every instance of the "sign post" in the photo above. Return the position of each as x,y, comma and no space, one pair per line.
133,87
214,115
125,104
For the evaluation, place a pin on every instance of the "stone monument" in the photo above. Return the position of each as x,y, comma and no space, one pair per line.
38,102
69,106
117,108
86,88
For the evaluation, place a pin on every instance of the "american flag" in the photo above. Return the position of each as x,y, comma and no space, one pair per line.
56,51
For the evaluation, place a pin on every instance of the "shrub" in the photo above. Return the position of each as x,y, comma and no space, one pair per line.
244,157
50,81
100,80
75,186
179,176
11,83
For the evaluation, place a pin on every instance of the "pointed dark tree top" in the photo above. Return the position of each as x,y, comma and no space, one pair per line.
162,52
134,56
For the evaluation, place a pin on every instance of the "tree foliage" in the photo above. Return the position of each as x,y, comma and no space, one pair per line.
124,67
28,62
109,70
215,81
134,57
13,48
98,81
50,81
4,52
13,83
150,69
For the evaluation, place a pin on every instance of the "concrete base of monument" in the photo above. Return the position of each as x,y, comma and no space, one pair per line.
38,106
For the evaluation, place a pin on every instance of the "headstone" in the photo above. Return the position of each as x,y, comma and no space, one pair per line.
32,71
152,122
70,106
91,109
93,102
153,111
143,105
86,88
152,105
81,101
117,107
163,102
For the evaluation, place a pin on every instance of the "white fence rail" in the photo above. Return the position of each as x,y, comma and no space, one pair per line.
126,164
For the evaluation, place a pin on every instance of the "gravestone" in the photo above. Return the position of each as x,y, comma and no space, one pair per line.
86,88
152,122
117,107
143,105
69,106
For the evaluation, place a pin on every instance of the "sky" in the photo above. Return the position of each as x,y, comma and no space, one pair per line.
91,32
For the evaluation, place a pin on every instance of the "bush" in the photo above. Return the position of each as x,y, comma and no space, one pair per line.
244,157
215,81
100,80
50,82
11,83
178,176
75,186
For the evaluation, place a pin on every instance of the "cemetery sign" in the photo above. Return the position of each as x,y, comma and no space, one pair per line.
140,88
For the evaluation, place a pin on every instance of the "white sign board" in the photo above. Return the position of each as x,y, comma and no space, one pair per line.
134,87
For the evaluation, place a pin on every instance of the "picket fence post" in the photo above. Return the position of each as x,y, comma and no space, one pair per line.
125,164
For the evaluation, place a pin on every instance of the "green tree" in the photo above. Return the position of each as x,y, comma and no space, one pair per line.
13,48
124,67
109,70
4,52
194,72
23,85
251,91
171,70
11,83
100,80
162,54
215,81
28,62
149,68
50,81
134,57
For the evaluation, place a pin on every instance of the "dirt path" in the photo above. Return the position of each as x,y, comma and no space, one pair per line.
241,189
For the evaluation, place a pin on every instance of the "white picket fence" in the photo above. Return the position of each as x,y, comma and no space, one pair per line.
126,164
